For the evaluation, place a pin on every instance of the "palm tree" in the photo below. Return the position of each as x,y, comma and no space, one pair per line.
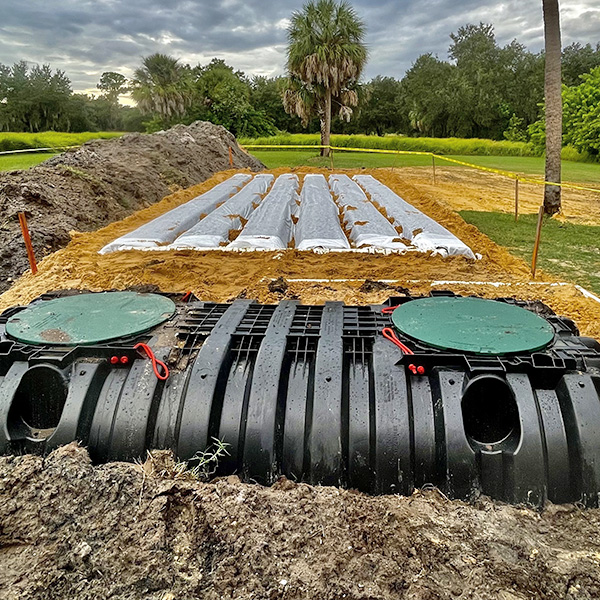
162,87
325,57
553,91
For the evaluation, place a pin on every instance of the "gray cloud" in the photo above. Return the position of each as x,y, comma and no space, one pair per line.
86,37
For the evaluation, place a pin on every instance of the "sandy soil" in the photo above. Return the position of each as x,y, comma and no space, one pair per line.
469,189
124,531
221,276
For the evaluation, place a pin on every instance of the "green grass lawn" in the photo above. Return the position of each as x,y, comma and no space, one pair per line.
8,162
580,172
343,160
569,251
51,139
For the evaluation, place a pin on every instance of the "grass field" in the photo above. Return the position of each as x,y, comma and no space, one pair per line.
580,172
47,139
23,161
568,251
51,139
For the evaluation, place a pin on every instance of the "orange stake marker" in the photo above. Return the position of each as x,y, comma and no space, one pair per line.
28,245
230,157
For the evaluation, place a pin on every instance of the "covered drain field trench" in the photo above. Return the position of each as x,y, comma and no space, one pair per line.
253,213
394,378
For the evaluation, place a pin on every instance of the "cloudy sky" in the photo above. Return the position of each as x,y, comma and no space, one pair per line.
87,37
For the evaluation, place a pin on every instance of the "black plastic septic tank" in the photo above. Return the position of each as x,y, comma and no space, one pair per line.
316,393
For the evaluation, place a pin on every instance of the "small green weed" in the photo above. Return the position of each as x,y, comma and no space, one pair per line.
201,467
83,175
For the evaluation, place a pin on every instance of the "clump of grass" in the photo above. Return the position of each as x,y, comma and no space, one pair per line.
473,146
174,178
124,202
80,174
570,153
201,467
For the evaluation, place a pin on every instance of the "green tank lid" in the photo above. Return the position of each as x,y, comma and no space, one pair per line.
473,325
87,319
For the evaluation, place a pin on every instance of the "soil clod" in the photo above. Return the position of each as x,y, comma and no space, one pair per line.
278,286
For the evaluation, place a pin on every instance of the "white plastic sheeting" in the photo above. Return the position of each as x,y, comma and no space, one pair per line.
214,229
206,222
368,227
270,225
424,233
165,229
318,226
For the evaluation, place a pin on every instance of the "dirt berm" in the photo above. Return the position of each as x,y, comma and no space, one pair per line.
69,529
104,181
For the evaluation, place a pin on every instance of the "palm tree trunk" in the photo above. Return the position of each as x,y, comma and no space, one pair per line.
326,124
553,91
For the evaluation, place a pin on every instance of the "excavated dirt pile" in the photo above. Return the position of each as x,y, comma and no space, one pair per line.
104,181
124,531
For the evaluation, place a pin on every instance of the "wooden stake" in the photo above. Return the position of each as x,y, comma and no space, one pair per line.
230,157
536,247
331,158
433,162
28,244
517,199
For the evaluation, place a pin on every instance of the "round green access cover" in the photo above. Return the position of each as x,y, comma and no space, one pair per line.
89,318
473,325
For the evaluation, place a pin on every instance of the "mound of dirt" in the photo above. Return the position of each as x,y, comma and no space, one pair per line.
104,181
69,529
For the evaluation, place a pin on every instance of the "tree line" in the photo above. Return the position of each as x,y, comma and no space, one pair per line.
482,90
36,98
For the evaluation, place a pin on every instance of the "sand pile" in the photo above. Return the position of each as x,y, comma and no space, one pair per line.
104,181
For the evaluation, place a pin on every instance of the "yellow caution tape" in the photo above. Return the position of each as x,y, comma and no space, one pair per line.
380,151
509,174
521,178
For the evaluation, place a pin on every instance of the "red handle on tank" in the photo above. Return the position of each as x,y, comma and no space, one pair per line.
144,349
388,310
389,334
